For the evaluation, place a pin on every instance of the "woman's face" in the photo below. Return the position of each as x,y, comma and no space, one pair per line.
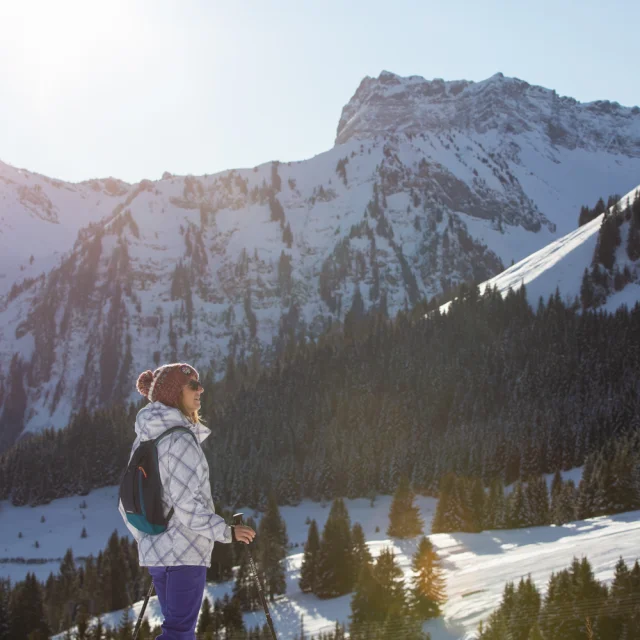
191,396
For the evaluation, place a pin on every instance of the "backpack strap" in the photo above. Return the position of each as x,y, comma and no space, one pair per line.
166,433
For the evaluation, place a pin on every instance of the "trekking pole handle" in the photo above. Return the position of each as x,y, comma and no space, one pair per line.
237,518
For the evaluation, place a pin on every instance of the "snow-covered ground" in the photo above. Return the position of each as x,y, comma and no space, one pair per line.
61,529
476,566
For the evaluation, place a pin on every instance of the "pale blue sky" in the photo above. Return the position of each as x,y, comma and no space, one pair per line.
132,88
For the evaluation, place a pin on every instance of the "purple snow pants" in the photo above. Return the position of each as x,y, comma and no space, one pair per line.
180,591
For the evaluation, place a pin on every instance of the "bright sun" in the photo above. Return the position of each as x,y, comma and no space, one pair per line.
55,45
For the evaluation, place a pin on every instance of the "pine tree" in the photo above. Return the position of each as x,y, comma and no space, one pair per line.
287,235
587,294
608,241
144,633
26,611
404,516
354,316
564,509
97,631
633,240
634,618
428,591
460,516
115,573
245,589
335,558
361,553
125,628
603,480
449,511
585,506
496,627
4,609
232,619
68,586
363,600
599,208
582,217
557,490
525,608
624,492
379,597
277,212
621,594
387,615
309,568
562,616
218,617
517,508
205,621
537,498
82,632
272,540
477,499
495,509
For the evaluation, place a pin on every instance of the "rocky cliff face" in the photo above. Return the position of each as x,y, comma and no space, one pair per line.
508,106
430,184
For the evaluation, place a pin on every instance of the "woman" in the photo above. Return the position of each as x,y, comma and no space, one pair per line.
178,558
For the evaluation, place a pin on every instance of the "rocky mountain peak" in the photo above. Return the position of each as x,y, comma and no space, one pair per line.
391,104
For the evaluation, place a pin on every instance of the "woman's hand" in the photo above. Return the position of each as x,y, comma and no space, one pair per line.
242,533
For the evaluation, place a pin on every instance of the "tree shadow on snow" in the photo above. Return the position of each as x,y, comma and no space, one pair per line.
498,541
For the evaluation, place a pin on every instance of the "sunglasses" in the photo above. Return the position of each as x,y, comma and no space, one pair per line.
194,385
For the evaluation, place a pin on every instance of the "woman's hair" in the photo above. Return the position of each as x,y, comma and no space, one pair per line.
194,416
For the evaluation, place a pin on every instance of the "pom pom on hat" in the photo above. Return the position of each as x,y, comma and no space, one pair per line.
144,383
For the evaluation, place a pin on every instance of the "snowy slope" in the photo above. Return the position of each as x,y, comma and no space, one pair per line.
458,199
561,264
476,566
41,217
64,523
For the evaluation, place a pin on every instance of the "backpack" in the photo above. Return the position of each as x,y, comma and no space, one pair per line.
141,488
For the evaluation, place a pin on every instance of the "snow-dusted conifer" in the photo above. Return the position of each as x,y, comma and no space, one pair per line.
272,545
335,559
404,516
428,591
309,568
537,498
361,553
517,508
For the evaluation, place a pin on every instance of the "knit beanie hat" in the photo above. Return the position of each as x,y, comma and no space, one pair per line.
165,383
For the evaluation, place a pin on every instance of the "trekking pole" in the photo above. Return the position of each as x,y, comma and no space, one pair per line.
144,606
237,519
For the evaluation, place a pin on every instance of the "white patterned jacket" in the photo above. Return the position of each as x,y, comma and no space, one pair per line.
184,473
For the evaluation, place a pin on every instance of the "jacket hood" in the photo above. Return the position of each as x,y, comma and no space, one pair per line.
156,418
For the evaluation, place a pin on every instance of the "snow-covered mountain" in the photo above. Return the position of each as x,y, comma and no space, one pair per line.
561,264
430,183
391,104
40,218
